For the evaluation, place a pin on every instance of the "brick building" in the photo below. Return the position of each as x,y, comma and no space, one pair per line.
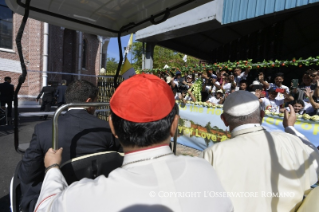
47,49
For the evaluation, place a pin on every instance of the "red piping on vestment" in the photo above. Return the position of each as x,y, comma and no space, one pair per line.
43,201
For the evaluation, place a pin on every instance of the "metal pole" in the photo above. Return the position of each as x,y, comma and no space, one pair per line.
121,59
21,77
45,54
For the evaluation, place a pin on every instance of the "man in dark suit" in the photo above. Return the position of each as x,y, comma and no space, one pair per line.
60,93
80,133
6,96
48,96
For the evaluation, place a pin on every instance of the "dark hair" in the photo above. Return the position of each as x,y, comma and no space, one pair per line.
298,101
143,134
311,71
80,91
7,78
243,81
279,74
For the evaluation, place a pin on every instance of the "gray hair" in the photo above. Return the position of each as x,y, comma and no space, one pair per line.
253,117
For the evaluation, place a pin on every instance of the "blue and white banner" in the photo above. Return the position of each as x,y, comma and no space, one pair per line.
200,127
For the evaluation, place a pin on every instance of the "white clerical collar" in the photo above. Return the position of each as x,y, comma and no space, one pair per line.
135,158
245,126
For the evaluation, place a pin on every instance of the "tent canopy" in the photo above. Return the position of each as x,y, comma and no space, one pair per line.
105,18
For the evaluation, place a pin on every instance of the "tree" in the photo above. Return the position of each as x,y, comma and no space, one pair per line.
208,127
162,56
181,122
111,64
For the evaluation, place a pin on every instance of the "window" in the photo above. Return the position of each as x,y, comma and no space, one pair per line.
84,54
5,26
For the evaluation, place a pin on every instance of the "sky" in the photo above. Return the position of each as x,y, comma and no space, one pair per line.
113,49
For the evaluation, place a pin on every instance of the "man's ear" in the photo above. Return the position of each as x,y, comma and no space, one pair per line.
112,127
174,126
222,117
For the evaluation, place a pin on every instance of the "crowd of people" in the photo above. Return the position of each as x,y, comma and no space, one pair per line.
273,96
255,170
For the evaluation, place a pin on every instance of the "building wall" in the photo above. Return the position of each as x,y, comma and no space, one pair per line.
31,47
55,52
63,56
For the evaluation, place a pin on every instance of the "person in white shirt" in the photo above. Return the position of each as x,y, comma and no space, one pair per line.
298,106
189,80
312,106
264,171
185,96
214,87
217,99
210,85
228,83
271,103
151,178
279,79
239,76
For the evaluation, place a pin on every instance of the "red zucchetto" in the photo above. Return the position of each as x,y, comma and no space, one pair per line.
143,98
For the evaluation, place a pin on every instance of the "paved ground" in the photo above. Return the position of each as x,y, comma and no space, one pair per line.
9,158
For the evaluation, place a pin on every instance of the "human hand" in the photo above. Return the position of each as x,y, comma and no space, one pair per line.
204,76
214,80
289,120
231,78
53,157
308,92
36,100
258,93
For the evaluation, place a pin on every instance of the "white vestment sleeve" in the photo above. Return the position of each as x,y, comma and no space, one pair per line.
312,149
292,130
53,184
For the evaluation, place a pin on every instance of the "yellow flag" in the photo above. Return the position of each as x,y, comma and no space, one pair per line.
127,70
129,45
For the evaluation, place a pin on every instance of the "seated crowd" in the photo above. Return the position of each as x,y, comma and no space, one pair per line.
273,96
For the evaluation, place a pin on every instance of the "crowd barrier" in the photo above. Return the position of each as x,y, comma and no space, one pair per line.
201,126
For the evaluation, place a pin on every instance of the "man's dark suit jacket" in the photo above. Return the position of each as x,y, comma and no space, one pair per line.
60,93
48,95
80,133
6,92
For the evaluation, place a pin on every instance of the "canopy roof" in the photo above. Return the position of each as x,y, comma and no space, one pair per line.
104,17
